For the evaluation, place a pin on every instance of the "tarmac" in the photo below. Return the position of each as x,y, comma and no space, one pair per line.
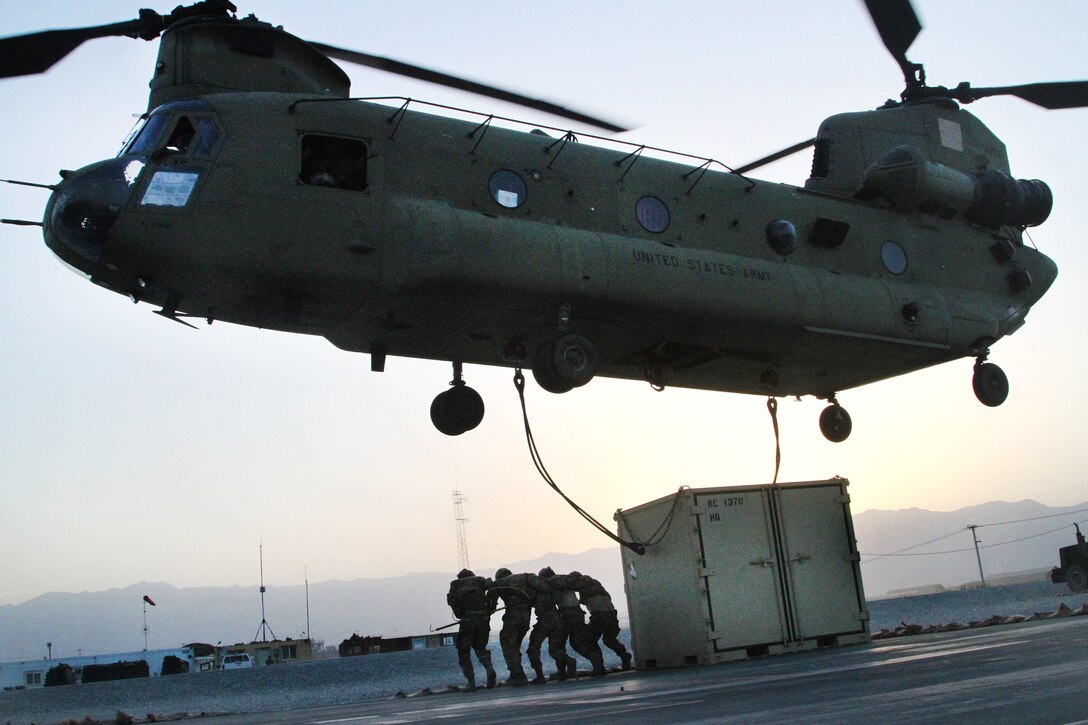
1031,672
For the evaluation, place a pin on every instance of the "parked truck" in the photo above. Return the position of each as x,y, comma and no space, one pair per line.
1074,568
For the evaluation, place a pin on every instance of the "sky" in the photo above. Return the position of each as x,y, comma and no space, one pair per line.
134,449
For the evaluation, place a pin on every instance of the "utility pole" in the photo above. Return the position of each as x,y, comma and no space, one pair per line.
978,556
459,518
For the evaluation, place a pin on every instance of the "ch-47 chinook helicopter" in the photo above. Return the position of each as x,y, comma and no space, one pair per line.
258,192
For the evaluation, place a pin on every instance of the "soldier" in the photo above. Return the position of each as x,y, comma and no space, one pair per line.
603,621
573,617
469,600
517,592
547,627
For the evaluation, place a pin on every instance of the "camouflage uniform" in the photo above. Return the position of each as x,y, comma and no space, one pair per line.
582,639
516,591
603,621
469,600
548,627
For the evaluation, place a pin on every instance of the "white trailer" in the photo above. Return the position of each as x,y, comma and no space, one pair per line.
742,571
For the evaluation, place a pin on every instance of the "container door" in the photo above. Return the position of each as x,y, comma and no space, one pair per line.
741,574
820,556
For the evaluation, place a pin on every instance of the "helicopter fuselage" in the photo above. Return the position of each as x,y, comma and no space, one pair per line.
395,232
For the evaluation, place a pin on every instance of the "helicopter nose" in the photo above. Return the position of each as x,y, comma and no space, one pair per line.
1048,272
84,208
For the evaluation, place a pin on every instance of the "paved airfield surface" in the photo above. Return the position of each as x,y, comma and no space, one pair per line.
1026,673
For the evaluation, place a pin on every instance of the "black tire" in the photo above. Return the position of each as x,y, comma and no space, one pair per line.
990,384
457,410
545,373
1076,578
465,407
574,359
835,423
440,415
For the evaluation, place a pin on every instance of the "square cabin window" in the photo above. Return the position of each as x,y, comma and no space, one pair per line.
335,162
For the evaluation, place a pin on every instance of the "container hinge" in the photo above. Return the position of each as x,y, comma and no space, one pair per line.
851,556
845,498
863,615
762,563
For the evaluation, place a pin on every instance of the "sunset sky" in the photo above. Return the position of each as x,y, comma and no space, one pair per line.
134,449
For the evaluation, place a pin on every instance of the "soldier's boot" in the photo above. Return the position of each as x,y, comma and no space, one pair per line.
491,677
598,667
626,660
572,667
470,687
540,679
517,678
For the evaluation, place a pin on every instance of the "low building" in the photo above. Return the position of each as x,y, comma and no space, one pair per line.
30,674
355,645
271,652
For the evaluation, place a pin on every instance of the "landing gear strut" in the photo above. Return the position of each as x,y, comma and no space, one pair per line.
835,422
458,409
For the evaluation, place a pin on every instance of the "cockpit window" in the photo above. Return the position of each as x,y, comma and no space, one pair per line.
182,137
147,138
193,136
332,161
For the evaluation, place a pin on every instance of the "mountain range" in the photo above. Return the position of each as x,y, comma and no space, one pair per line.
900,549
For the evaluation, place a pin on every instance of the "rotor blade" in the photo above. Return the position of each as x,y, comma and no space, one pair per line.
24,55
897,24
433,76
775,156
1059,94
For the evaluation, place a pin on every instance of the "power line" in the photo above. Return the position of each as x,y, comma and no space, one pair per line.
901,552
1036,518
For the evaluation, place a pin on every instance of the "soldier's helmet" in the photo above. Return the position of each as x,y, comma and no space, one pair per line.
465,573
546,572
502,573
576,573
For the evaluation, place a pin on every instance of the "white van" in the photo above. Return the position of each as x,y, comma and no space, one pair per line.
237,661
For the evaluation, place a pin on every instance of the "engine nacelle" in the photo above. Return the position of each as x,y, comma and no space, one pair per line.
911,182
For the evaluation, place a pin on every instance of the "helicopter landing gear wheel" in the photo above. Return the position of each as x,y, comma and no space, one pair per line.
835,423
565,363
459,409
990,384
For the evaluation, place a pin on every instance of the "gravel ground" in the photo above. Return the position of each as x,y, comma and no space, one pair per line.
380,676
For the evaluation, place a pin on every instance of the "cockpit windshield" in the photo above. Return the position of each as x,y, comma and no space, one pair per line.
191,132
146,137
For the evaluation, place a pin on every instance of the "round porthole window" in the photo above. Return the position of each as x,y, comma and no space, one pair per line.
652,214
894,257
508,189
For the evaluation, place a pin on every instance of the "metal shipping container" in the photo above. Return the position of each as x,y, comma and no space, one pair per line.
742,571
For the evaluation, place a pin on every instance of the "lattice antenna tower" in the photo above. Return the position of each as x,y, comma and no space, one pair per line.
459,518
